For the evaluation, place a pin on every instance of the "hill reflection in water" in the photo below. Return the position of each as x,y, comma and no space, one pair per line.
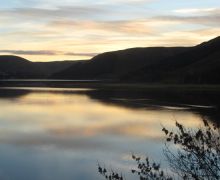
58,133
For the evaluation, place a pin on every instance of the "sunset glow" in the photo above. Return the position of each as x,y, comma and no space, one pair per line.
45,30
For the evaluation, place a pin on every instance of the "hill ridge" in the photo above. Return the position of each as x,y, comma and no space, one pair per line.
196,64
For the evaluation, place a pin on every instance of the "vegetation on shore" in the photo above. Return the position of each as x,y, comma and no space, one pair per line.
197,156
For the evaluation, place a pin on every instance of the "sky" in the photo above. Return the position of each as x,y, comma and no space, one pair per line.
46,30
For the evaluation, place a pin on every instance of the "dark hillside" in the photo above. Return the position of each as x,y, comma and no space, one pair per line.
17,67
199,64
113,65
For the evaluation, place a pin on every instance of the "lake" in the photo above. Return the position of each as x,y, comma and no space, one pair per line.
50,133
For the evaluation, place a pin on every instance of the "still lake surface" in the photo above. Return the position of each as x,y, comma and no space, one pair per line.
63,133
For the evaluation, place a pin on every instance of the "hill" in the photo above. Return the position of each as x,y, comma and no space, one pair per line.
14,67
197,64
17,67
49,68
116,64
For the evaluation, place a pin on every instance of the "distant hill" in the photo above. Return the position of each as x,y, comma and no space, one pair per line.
19,68
197,64
114,65
49,68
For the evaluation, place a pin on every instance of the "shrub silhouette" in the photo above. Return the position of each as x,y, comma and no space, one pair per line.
197,156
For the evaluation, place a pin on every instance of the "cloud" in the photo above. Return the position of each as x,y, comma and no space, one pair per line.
133,27
206,20
84,28
22,52
196,10
133,2
56,12
81,54
201,16
108,10
46,52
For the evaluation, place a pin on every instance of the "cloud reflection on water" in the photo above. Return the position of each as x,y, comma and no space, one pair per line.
61,134
51,117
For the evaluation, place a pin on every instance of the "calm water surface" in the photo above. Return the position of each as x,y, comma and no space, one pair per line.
55,133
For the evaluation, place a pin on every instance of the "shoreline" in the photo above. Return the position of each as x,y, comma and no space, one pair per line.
107,85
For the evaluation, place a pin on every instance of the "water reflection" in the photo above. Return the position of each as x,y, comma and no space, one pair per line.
60,133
